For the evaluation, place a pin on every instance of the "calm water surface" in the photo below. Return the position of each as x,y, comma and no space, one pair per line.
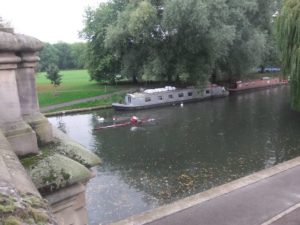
184,151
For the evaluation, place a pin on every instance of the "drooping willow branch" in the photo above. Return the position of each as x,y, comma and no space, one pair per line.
288,32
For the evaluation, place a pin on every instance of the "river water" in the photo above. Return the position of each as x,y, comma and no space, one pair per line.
186,149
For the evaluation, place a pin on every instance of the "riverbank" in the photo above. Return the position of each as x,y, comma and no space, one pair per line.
74,111
77,93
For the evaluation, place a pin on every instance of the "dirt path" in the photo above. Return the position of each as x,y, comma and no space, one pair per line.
78,101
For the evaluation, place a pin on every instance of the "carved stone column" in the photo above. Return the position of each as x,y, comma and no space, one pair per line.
19,134
25,75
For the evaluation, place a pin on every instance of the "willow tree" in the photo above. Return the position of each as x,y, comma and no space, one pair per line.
176,40
288,31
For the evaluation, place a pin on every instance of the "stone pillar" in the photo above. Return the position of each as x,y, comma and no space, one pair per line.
28,97
19,134
21,123
26,83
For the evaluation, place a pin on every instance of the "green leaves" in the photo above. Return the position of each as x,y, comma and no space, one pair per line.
288,33
176,40
64,55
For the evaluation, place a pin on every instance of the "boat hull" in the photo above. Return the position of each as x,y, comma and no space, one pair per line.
249,89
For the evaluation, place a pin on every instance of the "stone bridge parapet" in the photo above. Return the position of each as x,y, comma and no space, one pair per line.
53,166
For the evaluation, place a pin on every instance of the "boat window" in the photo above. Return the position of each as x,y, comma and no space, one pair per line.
160,98
129,99
180,95
147,99
190,93
207,91
170,96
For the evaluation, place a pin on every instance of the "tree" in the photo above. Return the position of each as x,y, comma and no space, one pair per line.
101,63
288,32
172,40
66,56
65,60
268,9
78,53
53,75
48,56
200,36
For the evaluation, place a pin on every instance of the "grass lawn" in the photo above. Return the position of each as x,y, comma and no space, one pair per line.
75,84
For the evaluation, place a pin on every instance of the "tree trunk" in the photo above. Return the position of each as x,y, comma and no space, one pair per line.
169,77
262,69
134,79
214,77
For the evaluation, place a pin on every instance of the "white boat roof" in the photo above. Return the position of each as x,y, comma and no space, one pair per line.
166,89
156,91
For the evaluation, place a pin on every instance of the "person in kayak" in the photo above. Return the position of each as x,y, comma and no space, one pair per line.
135,120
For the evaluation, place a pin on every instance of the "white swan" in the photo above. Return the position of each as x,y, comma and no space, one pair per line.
100,119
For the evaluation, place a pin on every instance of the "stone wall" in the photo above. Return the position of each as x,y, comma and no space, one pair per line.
58,168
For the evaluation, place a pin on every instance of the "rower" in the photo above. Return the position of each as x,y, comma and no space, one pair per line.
134,120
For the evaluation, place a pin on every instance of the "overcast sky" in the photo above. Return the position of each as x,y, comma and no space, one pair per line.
48,20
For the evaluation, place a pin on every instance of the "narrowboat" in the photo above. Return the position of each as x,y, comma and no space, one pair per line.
264,82
168,95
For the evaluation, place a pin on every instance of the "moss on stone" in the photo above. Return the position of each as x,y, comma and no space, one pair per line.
24,209
65,175
57,171
11,220
34,201
58,165
7,204
39,216
32,160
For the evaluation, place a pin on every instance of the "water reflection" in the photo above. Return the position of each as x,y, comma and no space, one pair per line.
184,151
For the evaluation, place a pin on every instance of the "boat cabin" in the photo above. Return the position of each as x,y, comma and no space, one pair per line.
171,94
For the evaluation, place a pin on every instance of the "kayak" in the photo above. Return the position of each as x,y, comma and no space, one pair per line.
124,124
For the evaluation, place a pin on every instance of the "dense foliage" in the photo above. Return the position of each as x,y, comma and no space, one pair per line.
288,28
189,40
64,55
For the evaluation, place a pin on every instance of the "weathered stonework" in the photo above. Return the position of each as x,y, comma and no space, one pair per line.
69,205
58,168
11,122
20,201
25,76
66,146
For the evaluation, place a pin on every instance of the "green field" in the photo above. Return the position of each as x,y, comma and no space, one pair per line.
75,84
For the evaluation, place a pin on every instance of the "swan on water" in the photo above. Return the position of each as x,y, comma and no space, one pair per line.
100,119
